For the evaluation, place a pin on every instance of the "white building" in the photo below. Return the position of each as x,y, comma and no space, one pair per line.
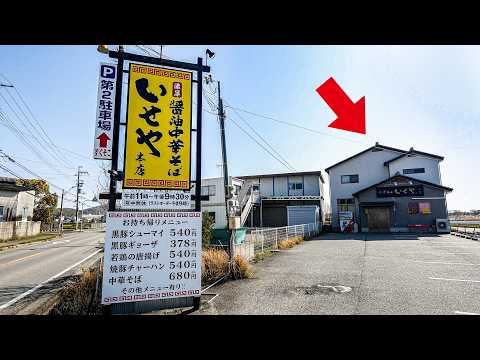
16,202
392,172
267,200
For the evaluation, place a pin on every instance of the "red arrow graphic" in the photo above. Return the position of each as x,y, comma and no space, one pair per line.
350,116
103,140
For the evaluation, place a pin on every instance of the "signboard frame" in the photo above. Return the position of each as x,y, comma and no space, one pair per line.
127,122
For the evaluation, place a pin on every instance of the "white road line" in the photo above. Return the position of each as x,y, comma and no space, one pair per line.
465,313
434,278
445,263
21,296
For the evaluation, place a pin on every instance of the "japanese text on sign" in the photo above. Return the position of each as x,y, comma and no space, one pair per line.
157,144
151,255
134,199
105,109
398,191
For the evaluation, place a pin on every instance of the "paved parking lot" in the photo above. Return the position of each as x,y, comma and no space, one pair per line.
387,274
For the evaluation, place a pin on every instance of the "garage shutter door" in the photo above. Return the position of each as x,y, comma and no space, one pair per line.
298,215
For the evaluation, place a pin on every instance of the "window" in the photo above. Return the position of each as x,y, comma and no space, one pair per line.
346,204
295,186
347,179
414,171
1,213
24,214
424,208
208,190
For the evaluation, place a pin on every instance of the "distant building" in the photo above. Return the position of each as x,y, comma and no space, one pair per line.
267,200
387,189
16,202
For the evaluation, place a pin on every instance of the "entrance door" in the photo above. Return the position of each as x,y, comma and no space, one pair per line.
379,219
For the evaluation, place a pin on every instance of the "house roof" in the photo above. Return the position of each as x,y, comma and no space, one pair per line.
415,152
5,186
300,173
405,177
377,145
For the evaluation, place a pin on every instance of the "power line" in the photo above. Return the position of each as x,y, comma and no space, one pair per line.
259,144
292,124
17,132
50,143
264,140
33,134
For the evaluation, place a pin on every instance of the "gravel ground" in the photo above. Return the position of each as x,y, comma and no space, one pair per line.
360,274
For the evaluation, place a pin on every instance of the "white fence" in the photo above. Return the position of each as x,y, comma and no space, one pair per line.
466,232
260,240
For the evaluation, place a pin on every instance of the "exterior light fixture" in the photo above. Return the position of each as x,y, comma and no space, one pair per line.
102,49
210,53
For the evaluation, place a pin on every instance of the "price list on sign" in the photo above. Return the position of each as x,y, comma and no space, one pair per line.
151,255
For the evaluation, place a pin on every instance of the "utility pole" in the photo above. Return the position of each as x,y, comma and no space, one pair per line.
60,222
79,186
221,118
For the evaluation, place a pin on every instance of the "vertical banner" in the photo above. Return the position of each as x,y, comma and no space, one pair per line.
158,138
105,107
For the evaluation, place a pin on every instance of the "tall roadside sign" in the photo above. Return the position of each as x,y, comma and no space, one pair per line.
153,242
105,108
157,138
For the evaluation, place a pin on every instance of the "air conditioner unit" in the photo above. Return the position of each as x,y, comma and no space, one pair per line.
443,226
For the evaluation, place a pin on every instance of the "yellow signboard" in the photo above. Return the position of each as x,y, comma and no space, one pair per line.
158,137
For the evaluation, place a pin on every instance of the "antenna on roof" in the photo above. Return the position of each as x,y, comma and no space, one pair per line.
376,143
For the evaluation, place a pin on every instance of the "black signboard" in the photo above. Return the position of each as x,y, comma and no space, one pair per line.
397,191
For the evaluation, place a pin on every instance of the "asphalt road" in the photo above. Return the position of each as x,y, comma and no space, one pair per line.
387,274
31,270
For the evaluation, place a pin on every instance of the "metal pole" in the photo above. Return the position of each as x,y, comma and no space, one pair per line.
76,202
198,162
60,222
116,131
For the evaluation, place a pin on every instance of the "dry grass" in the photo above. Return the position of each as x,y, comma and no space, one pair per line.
259,256
216,264
290,242
286,244
76,298
240,268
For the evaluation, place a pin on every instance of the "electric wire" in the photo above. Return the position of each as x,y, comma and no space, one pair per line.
292,124
45,137
292,168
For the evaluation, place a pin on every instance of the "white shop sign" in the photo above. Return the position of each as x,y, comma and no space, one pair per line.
139,199
105,109
151,255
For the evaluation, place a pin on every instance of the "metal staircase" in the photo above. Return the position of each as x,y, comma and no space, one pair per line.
248,198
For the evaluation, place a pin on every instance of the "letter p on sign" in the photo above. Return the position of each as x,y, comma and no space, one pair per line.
108,72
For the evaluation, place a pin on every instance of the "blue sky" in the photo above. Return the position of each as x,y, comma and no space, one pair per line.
421,96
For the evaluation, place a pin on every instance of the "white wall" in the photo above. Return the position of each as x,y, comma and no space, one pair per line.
266,186
370,169
281,186
311,185
432,170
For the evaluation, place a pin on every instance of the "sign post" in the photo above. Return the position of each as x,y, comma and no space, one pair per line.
157,179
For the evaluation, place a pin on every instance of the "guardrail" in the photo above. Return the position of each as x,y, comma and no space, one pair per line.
467,232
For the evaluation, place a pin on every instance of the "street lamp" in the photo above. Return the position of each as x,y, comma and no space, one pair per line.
83,202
